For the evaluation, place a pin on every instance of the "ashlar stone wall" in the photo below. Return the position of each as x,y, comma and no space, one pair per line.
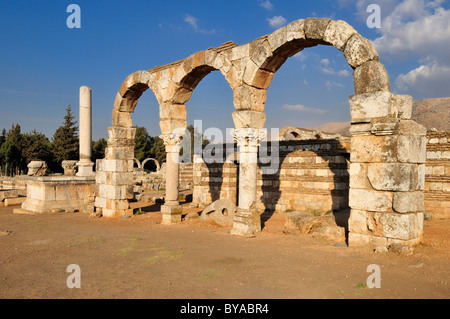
437,175
310,175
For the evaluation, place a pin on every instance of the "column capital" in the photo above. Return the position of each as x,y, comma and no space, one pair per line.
172,141
248,137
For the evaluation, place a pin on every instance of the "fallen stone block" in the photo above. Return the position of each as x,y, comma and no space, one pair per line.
14,201
222,212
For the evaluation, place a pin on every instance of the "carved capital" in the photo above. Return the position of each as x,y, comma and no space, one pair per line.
248,138
172,141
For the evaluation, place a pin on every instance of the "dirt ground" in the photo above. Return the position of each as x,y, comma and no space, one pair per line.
137,257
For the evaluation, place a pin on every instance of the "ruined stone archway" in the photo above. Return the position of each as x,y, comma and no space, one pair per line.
388,148
158,167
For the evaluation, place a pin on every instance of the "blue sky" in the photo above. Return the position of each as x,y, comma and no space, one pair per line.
43,62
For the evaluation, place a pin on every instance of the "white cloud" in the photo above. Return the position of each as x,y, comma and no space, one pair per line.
301,56
302,108
418,30
277,22
266,4
330,84
193,21
428,79
344,73
324,66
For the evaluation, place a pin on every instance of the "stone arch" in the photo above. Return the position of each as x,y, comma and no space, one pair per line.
158,167
387,147
139,165
268,53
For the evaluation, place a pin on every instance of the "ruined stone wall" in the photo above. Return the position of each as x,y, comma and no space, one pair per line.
186,175
437,174
312,175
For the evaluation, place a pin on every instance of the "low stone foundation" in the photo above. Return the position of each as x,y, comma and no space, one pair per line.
50,194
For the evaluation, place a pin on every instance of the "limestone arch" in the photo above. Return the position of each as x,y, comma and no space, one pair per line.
268,53
385,142
158,167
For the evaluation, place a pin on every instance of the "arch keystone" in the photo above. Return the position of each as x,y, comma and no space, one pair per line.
315,28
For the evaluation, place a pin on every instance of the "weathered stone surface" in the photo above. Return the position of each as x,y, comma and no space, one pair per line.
277,38
172,111
315,28
330,233
410,127
37,168
69,167
396,226
403,104
247,119
359,50
260,51
412,149
408,202
393,176
121,119
357,222
249,98
256,77
170,126
295,30
306,222
371,77
358,176
374,149
337,33
58,193
370,105
401,249
121,133
222,212
370,200
386,225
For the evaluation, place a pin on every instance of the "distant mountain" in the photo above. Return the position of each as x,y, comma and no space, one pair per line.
431,113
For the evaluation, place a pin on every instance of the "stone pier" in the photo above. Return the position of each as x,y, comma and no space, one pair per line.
85,164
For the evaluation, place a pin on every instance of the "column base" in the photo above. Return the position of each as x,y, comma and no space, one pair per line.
246,223
171,214
85,169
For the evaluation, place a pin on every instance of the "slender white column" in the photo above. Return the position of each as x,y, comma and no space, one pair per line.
85,163
171,210
247,221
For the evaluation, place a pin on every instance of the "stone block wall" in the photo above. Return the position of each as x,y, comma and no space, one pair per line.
312,175
437,175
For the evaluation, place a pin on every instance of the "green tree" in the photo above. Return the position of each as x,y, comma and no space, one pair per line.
98,149
142,144
36,147
158,150
65,139
11,152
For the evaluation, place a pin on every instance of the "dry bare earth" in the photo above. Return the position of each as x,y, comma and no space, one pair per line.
139,258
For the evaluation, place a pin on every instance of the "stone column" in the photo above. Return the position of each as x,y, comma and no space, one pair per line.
171,210
247,221
85,164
